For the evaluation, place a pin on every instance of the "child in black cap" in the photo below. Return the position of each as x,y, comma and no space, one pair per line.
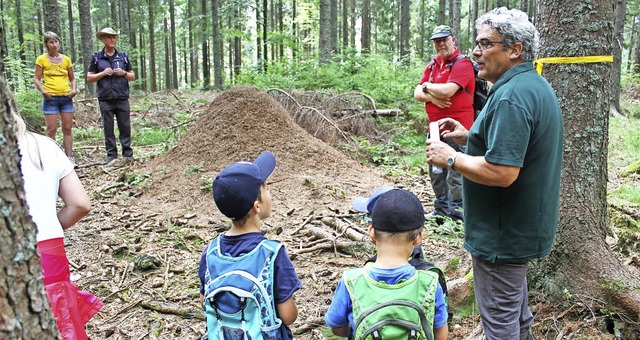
240,193
418,302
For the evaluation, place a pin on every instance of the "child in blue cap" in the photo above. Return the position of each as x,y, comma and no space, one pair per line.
240,193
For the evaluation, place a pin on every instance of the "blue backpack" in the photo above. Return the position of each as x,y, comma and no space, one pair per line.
238,300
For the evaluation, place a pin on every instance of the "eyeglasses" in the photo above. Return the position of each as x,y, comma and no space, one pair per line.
485,44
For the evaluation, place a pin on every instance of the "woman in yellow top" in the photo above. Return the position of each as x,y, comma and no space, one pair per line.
58,91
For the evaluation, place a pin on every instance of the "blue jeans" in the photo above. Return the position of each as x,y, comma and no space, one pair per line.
120,109
503,299
57,105
447,185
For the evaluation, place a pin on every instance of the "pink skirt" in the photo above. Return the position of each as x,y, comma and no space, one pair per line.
71,307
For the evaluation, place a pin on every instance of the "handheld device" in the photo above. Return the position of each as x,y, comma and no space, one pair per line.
434,134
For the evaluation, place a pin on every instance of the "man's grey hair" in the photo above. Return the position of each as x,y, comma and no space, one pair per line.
514,27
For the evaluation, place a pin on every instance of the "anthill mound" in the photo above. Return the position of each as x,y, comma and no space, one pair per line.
238,125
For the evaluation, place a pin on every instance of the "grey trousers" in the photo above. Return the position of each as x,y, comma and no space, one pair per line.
502,297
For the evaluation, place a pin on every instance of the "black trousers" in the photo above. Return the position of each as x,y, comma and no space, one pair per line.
120,110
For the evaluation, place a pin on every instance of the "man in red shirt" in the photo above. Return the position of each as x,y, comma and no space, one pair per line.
446,87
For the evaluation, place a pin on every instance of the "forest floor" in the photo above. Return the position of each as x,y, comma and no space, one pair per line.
139,248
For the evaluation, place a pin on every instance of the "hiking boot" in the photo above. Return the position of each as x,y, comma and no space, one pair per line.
73,162
436,217
110,160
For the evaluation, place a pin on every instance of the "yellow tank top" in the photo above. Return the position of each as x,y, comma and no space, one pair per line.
56,76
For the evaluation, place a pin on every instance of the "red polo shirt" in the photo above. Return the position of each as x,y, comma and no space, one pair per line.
461,73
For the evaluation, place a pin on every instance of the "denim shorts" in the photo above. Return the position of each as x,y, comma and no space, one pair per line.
57,104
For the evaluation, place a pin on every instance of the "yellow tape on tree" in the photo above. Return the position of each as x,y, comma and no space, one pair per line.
539,63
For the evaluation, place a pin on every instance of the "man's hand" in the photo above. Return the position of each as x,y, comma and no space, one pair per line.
108,71
438,153
442,103
452,129
119,72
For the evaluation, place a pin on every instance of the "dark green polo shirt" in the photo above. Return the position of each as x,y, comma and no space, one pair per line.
520,125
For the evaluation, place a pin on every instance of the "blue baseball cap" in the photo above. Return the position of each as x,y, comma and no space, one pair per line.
237,186
365,204
398,210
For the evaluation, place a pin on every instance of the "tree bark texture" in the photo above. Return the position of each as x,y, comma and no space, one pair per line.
366,26
153,87
581,263
72,38
405,25
25,309
442,6
217,46
325,30
51,16
174,46
86,39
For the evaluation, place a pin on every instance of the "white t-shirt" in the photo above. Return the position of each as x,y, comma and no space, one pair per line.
41,186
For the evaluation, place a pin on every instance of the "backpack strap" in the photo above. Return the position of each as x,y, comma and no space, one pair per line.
452,62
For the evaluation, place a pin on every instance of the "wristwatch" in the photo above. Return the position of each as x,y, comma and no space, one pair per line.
451,162
424,87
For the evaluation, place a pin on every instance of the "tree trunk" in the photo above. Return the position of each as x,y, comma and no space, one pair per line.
24,305
174,46
124,40
422,30
455,22
581,263
114,15
474,17
72,38
345,24
265,28
366,25
450,6
152,47
636,52
217,46
405,26
294,30
86,40
144,80
333,42
206,71
193,53
632,34
237,45
23,54
325,31
442,7
352,30
618,40
51,16
167,56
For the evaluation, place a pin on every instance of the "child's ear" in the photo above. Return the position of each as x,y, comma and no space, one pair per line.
256,207
372,233
418,239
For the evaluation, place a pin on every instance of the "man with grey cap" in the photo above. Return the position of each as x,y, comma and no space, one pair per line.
112,70
447,92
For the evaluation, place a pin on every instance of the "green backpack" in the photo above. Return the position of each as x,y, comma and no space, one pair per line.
400,311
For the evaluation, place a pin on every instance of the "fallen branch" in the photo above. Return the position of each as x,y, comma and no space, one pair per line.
124,309
350,232
169,308
309,325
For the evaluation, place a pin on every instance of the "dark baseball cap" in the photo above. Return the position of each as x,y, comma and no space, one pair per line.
237,186
398,210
